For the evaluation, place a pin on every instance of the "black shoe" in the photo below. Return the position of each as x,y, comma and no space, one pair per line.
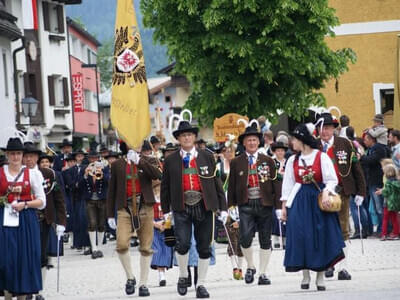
87,252
201,292
94,255
29,297
65,238
356,235
344,275
163,282
321,288
182,286
249,276
277,245
263,280
143,291
99,254
49,266
39,297
305,286
329,272
130,286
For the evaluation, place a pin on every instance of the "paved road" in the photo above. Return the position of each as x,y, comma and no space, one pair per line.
376,275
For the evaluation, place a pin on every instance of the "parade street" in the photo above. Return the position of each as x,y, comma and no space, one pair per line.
375,276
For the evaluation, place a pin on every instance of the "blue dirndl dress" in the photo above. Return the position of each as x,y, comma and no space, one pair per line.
313,237
162,257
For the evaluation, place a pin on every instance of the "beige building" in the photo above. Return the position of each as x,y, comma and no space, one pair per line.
371,28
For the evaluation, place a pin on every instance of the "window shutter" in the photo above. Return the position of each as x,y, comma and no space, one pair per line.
46,16
26,84
52,96
60,18
65,89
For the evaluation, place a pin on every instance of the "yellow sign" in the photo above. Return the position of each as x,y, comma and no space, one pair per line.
228,124
130,114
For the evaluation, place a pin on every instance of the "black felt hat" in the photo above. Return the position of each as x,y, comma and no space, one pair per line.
65,142
302,133
78,152
30,148
14,144
278,145
328,119
185,126
112,154
146,146
103,148
70,157
250,130
45,156
170,147
93,153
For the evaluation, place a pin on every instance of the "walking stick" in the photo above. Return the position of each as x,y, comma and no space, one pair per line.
230,244
58,262
280,234
360,225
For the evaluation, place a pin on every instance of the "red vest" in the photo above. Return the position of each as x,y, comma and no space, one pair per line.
191,180
25,185
129,191
331,155
158,214
316,168
252,178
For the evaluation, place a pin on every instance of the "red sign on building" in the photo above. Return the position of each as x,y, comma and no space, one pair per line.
77,93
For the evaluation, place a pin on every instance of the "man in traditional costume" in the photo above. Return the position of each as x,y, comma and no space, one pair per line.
130,193
254,188
190,189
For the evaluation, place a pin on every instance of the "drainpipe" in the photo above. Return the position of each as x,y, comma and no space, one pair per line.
16,86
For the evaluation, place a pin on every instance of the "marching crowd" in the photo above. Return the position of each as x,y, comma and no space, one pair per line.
297,191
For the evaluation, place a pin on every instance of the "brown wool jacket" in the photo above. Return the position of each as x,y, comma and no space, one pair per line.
172,186
54,212
116,197
351,173
237,188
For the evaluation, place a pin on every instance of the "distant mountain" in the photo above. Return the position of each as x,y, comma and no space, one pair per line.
99,19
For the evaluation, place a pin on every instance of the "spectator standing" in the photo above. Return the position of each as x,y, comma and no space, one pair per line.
394,140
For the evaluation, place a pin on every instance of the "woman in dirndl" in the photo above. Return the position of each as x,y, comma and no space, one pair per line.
313,237
21,191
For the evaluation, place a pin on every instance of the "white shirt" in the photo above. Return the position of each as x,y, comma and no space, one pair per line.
330,142
193,153
36,181
255,156
290,187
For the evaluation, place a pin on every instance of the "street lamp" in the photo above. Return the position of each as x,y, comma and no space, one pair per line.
98,100
29,106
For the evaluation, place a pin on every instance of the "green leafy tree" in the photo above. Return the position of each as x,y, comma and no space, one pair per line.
105,62
249,56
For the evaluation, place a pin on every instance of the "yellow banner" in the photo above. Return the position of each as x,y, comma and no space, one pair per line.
130,101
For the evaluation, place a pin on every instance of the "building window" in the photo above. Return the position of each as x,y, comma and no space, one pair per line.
58,90
88,98
387,101
53,17
5,73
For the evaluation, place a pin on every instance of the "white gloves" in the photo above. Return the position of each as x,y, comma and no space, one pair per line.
60,229
223,217
358,200
111,223
133,156
278,213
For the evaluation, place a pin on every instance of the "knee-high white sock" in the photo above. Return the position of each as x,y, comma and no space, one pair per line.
92,237
161,275
182,264
264,260
248,255
306,277
320,279
202,270
125,259
44,273
7,295
145,262
100,238
233,261
343,263
240,262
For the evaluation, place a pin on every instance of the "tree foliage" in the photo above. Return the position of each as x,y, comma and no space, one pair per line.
249,56
105,62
